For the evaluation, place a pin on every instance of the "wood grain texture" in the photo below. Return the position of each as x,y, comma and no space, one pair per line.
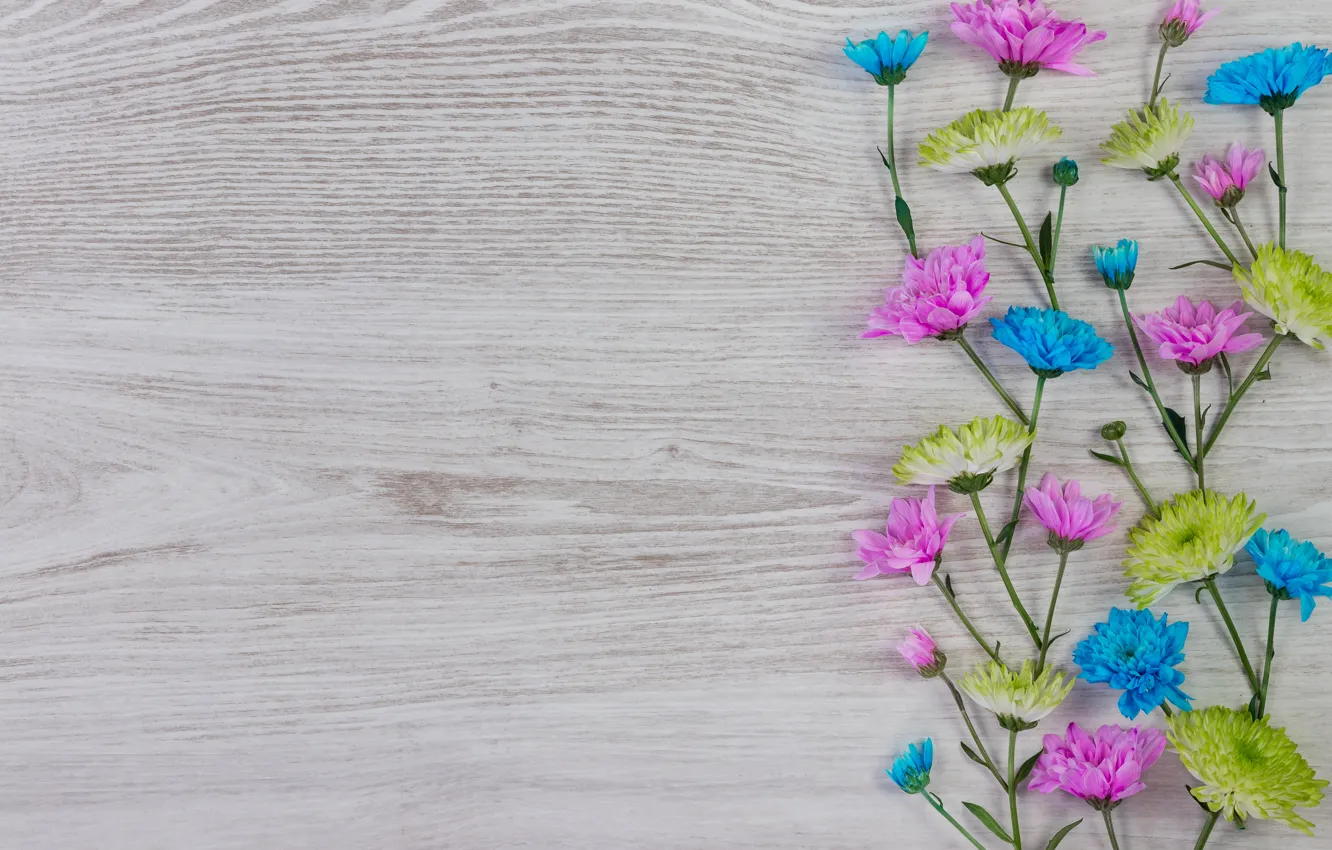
433,424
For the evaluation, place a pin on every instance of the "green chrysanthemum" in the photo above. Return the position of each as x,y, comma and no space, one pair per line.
965,459
988,143
1197,536
1150,139
1289,288
1249,768
1020,699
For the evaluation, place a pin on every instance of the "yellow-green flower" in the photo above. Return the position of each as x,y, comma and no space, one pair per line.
968,458
1150,139
988,143
1248,768
1197,536
1290,289
1021,699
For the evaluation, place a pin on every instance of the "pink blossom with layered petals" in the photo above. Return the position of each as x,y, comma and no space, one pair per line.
1023,34
938,294
1102,769
913,539
918,649
1226,181
1195,334
1067,514
1187,14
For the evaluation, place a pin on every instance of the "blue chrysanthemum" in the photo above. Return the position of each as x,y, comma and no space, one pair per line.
1273,79
1051,341
911,770
1117,264
1136,653
887,59
1292,568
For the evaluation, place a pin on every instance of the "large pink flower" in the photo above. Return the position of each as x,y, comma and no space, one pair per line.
1102,769
1067,514
1226,181
913,540
1193,335
1023,36
938,294
1186,15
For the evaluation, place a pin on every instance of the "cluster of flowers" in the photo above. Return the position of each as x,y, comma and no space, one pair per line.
1247,767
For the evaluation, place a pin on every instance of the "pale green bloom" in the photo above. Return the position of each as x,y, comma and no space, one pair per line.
1020,699
1248,768
965,459
1197,536
988,143
1290,289
1150,139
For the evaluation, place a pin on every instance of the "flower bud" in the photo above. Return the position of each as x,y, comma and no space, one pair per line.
921,652
1066,173
1113,431
1117,264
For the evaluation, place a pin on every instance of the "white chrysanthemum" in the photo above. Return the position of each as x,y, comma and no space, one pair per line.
977,450
987,139
1020,700
1292,290
1150,139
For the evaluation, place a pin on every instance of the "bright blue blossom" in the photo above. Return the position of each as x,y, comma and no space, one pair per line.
1291,568
1136,653
887,58
1273,79
911,770
1117,264
1051,341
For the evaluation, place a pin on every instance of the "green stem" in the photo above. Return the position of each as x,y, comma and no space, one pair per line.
1280,117
957,609
892,168
1207,830
1110,829
937,805
1235,397
1243,232
975,737
1034,251
1012,92
1026,462
1059,226
1012,789
1210,584
1151,385
1166,710
1202,216
989,376
1152,507
1156,80
1049,616
1198,431
1003,571
1271,653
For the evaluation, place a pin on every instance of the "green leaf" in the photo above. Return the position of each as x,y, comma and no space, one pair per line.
1276,178
1197,594
1047,240
1062,834
988,819
1181,427
1107,458
886,164
1200,803
1230,376
1265,375
1139,381
1055,638
1216,264
971,754
1253,707
904,219
1006,532
948,585
1025,770
1003,242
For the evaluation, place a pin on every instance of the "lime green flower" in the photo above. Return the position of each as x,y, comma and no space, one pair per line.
1150,139
1289,288
1021,699
989,143
1248,768
966,459
1197,536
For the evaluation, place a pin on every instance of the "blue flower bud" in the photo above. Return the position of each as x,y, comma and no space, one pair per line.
1066,173
1117,264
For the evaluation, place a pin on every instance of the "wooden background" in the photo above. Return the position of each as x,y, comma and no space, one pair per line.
440,423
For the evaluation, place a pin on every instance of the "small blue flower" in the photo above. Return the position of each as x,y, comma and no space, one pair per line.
1051,341
1273,79
1066,173
1117,264
887,59
1136,653
911,770
1291,568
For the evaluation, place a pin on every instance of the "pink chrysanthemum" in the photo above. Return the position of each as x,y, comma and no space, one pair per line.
1023,36
1103,769
921,652
1193,335
1187,17
1226,181
1070,517
940,293
913,540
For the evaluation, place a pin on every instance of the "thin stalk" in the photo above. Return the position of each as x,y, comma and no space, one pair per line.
1012,790
892,167
1031,244
1235,397
1049,616
1110,829
1210,584
1202,216
1151,385
957,609
1003,571
1156,80
975,737
937,805
1198,431
1243,232
1166,710
1152,507
1026,462
1059,225
994,382
1206,831
1271,653
1280,117
1012,92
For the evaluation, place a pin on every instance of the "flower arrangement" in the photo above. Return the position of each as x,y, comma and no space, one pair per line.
1247,768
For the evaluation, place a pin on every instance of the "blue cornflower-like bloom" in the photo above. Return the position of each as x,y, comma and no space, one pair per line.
1136,653
911,770
887,59
1273,79
1117,264
1051,341
1292,568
